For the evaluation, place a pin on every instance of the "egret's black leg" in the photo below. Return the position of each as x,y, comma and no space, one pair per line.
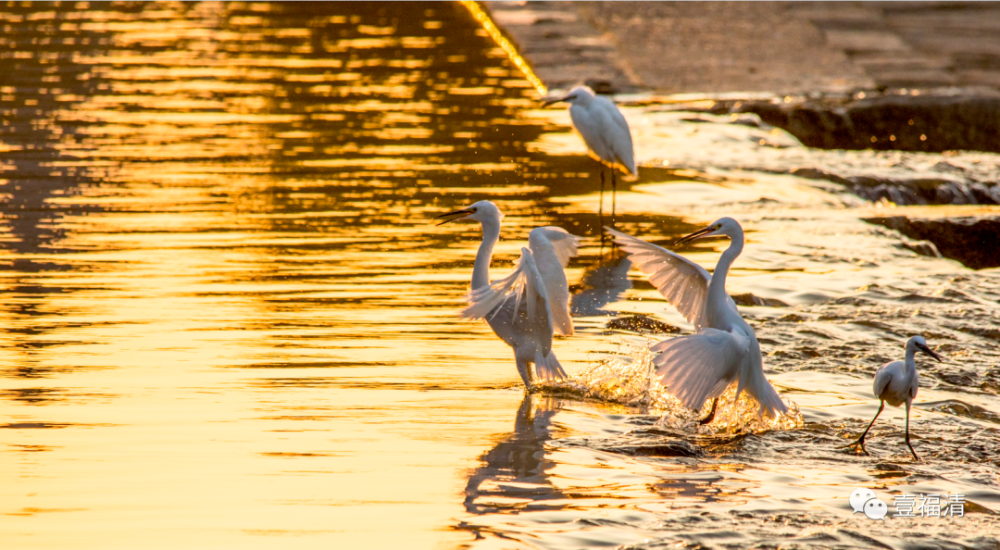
614,195
711,413
861,440
600,218
915,457
600,207
524,370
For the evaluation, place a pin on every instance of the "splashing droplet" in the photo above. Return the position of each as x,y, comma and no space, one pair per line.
629,378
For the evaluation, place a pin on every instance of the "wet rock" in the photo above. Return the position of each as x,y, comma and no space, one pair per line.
924,248
960,379
672,447
749,299
973,242
927,190
642,323
931,121
914,297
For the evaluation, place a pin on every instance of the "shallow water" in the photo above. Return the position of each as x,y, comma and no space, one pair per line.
229,320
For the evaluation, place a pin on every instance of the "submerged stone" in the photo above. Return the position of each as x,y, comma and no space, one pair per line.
750,299
975,242
931,121
642,323
668,447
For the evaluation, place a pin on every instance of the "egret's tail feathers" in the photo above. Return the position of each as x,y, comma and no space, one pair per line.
754,382
548,368
628,168
699,367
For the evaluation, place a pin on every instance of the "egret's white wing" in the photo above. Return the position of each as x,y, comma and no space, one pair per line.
564,243
551,249
882,378
700,366
526,288
619,137
682,282
606,140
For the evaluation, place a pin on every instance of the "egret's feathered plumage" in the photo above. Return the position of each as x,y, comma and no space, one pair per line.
604,130
701,366
531,304
897,383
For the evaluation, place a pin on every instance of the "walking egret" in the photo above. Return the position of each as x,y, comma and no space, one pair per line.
897,383
606,133
701,366
527,306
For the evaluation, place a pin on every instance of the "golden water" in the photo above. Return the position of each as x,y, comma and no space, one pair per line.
229,322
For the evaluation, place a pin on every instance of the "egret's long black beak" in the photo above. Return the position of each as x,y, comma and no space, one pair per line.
930,352
452,216
548,102
696,235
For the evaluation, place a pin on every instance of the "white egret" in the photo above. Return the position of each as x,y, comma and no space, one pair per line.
725,349
897,383
605,131
527,306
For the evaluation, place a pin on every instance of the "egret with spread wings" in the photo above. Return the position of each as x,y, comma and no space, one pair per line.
605,131
701,366
897,383
525,308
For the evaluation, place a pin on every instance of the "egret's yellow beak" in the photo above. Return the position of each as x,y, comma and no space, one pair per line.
456,215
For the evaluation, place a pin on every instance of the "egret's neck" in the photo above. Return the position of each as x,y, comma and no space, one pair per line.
911,362
717,286
481,271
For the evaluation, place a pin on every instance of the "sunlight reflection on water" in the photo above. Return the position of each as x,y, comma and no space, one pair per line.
228,320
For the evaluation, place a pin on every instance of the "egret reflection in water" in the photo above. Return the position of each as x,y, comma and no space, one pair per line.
517,465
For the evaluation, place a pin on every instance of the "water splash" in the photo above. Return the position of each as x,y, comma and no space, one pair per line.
628,378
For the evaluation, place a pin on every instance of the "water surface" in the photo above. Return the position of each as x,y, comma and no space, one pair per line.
228,320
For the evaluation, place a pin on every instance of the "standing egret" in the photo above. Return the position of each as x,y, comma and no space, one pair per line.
527,306
701,366
606,133
897,383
